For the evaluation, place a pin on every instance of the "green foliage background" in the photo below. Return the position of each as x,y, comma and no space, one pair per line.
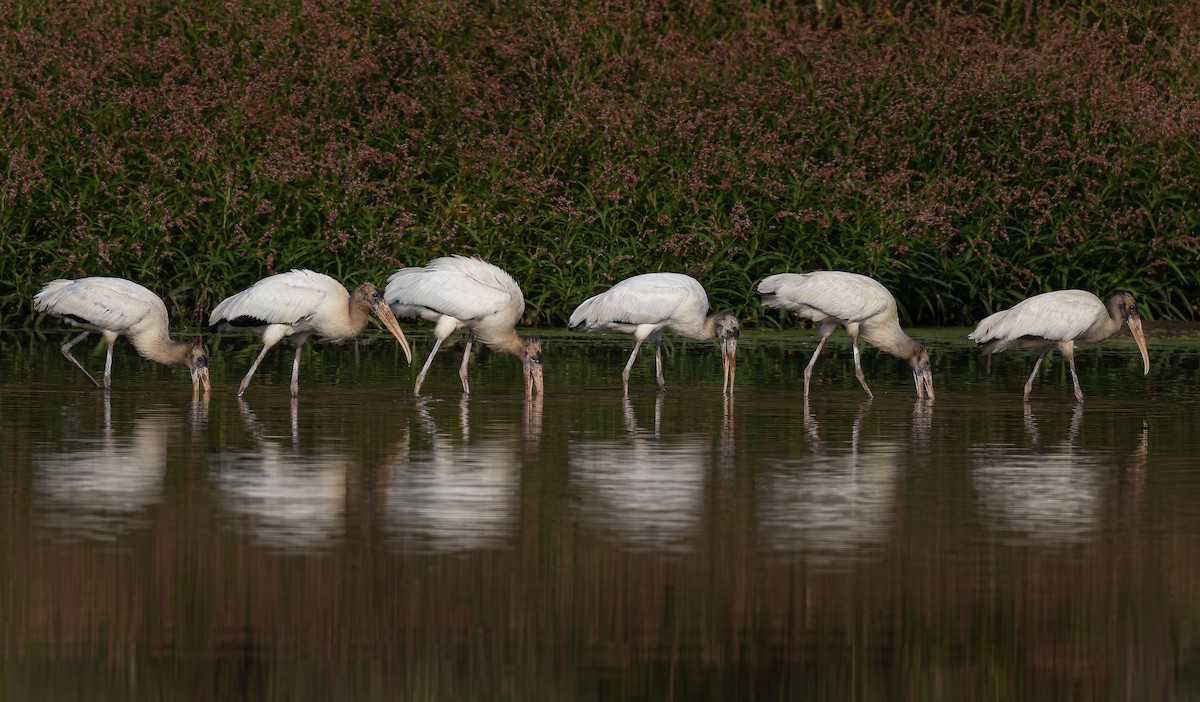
966,154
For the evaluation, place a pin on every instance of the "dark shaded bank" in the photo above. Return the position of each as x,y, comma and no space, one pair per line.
965,156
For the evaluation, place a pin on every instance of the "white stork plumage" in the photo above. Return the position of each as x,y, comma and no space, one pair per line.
862,305
1059,319
457,291
117,307
644,305
297,305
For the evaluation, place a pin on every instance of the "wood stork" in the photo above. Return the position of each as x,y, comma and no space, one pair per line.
860,304
297,305
1057,320
457,291
117,307
646,304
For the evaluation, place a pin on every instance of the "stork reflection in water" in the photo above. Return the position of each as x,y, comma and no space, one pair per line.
103,483
838,503
453,490
292,498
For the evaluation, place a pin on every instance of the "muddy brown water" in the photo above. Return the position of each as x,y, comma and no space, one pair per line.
360,543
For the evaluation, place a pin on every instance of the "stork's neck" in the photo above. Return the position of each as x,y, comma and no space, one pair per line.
1107,327
157,346
508,342
360,313
700,329
356,320
891,339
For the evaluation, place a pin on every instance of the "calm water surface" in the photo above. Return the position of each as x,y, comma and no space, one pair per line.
360,543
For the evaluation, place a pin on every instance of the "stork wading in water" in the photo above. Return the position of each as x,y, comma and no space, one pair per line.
455,292
1058,320
861,305
300,304
646,304
116,307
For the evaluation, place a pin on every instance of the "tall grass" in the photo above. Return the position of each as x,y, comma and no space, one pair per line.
966,154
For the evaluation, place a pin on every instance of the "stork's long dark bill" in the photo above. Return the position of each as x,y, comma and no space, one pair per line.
200,380
1139,338
384,313
923,378
728,364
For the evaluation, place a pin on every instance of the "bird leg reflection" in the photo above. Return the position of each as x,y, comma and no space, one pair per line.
422,407
857,430
1031,428
631,418
1076,421
811,427
250,421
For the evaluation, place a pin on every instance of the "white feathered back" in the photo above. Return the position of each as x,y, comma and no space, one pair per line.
457,286
1062,314
286,298
816,296
650,298
112,304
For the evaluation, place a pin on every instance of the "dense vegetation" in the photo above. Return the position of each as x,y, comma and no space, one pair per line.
967,154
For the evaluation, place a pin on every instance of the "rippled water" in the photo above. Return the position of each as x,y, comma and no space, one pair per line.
360,543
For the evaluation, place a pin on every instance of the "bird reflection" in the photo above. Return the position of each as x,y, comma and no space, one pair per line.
644,490
1051,491
290,499
728,446
835,505
101,488
922,427
448,494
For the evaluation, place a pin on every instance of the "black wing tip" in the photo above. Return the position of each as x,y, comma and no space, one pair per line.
242,322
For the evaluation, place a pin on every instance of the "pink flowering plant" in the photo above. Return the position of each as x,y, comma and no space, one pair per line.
966,154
